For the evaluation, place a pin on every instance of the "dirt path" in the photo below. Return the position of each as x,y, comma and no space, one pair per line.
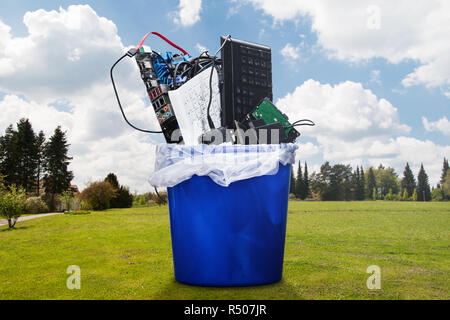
4,222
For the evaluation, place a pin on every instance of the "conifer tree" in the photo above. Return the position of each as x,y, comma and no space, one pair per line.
361,186
292,185
8,156
371,182
27,155
122,197
357,183
306,182
57,175
299,182
445,170
414,195
405,195
40,145
408,182
423,187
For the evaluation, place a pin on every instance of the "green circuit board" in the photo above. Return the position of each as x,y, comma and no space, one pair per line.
267,112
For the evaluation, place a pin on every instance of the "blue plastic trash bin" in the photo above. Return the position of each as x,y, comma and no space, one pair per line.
229,236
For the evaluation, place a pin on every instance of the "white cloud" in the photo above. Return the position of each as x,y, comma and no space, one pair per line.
356,127
290,52
64,53
188,12
71,52
396,31
308,149
200,48
375,76
442,125
346,110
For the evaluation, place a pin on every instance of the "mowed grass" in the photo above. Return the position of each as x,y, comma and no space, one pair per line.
126,254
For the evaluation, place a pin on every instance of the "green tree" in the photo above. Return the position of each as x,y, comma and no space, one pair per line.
123,197
98,195
371,182
141,201
292,185
436,194
355,184
389,196
374,194
361,185
414,195
27,156
405,195
423,187
408,182
445,168
68,200
299,186
386,179
307,192
112,179
8,156
446,185
40,146
57,175
2,183
332,182
12,204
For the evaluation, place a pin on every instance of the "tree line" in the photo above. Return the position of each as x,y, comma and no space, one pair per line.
31,162
341,182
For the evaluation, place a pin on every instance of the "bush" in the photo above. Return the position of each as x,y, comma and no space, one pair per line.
162,200
436,194
77,213
124,198
84,205
35,205
66,199
98,195
12,204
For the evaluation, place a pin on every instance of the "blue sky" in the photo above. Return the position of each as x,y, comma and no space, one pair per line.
317,56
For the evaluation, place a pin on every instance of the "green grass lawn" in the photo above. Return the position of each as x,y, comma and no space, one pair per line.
126,254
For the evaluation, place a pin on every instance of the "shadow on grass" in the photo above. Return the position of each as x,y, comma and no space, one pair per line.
14,229
179,291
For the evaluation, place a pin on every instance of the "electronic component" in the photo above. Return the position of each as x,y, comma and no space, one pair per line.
246,77
269,124
155,75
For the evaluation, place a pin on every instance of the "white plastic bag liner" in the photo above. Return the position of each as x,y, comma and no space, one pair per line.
224,164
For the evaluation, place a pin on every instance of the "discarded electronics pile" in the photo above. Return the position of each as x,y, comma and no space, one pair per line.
211,100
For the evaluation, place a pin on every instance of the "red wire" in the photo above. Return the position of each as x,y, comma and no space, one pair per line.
139,46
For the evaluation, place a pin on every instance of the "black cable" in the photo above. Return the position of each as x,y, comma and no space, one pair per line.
303,122
210,121
169,70
118,100
160,198
176,72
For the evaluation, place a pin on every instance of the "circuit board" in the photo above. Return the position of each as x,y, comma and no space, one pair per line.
267,112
